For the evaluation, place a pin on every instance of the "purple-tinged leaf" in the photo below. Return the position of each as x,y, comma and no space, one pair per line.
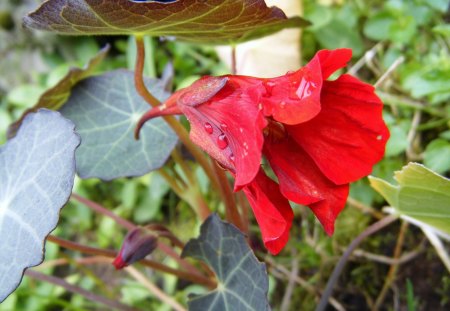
201,21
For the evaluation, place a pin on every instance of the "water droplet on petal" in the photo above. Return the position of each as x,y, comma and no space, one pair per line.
208,128
232,158
283,104
222,141
379,137
268,86
223,126
304,89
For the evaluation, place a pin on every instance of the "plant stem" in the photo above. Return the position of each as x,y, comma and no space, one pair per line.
342,261
173,123
232,213
130,226
394,267
233,60
115,305
104,211
187,275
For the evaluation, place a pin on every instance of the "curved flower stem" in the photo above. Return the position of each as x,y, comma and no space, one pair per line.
394,267
113,304
190,276
130,226
173,123
232,213
342,261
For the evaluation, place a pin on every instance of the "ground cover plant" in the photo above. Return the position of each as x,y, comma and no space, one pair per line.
152,176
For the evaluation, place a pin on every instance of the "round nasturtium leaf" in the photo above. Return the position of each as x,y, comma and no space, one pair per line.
37,169
242,279
200,21
105,110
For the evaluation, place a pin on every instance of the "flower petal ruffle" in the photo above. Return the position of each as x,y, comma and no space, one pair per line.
348,136
302,182
272,211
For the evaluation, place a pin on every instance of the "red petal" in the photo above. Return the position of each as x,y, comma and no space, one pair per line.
295,97
302,182
272,211
332,60
348,136
118,262
228,126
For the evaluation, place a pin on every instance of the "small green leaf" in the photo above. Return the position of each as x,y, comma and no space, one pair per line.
421,194
242,279
105,110
37,170
56,96
200,21
437,155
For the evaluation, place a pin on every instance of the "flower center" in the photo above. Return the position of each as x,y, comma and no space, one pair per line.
274,131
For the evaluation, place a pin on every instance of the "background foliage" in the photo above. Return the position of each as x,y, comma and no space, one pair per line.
414,36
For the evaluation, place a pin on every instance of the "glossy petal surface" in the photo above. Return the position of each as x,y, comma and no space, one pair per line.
272,211
348,136
302,182
228,126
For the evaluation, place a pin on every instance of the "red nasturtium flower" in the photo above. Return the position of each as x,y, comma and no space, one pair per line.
317,135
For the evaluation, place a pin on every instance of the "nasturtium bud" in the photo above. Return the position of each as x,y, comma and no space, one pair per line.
138,243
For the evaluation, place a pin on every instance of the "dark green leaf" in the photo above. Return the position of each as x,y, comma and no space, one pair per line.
242,279
105,110
37,170
201,21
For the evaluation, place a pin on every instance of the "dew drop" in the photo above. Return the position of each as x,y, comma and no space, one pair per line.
223,126
232,158
208,128
269,87
283,104
222,141
379,137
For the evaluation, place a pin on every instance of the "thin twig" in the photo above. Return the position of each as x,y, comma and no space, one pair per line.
303,283
393,269
115,305
412,156
104,211
138,276
342,261
364,208
389,71
285,303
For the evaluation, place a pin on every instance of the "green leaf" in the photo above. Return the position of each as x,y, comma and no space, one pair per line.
421,194
105,110
437,155
242,279
56,96
37,170
200,21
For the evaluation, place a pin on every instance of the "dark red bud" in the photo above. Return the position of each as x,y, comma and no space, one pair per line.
138,243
